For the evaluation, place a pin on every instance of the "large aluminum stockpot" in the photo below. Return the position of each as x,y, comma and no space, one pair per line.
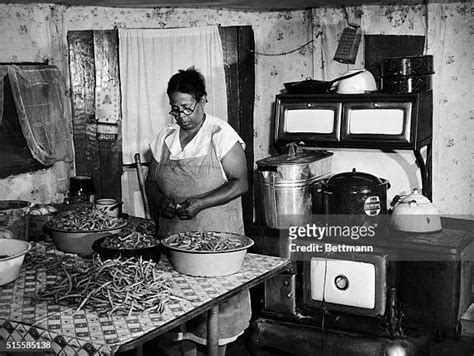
286,185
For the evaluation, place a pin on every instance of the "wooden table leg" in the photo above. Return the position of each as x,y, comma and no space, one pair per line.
213,331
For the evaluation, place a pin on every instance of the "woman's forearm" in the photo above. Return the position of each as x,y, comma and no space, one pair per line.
224,194
153,193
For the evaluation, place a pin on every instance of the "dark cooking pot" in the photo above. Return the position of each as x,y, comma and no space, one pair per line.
412,65
403,75
312,86
81,189
407,84
355,193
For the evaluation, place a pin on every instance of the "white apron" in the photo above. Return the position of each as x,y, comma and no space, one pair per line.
184,178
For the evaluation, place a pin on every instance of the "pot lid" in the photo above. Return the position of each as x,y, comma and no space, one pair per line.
300,158
354,178
415,196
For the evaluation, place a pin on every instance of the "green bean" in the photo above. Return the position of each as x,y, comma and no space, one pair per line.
204,241
119,286
85,218
130,239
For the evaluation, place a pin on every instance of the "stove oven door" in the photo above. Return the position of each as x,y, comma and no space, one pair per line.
355,283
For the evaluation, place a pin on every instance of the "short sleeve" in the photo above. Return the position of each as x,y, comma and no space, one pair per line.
156,145
224,138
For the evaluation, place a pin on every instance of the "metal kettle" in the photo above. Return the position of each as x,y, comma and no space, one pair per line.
414,213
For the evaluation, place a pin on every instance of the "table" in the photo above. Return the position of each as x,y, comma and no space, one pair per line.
89,333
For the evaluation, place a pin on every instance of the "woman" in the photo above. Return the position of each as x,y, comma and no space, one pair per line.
196,177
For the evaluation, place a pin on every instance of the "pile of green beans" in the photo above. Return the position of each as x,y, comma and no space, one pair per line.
113,287
129,239
84,218
204,241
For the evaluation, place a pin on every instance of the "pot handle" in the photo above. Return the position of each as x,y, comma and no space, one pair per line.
294,148
385,181
347,76
396,199
320,205
319,187
115,206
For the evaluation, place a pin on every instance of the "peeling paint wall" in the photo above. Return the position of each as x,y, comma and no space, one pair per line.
30,34
36,32
40,187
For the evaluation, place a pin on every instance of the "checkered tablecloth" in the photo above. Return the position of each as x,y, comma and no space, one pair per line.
86,332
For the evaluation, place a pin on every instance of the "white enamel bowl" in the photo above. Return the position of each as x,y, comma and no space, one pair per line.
78,241
12,255
208,263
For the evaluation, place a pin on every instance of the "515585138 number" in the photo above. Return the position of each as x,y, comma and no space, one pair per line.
12,346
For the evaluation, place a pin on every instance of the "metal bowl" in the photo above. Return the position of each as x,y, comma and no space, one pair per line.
78,241
207,263
152,252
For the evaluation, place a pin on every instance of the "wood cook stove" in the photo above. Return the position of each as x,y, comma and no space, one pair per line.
410,290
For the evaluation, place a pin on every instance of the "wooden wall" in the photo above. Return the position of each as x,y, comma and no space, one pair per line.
238,47
93,57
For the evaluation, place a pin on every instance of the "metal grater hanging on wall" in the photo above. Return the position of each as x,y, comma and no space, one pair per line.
348,45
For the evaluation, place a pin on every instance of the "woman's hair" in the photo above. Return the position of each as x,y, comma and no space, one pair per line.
189,81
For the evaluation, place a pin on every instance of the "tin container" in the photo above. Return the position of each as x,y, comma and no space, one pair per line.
110,207
287,184
15,216
81,190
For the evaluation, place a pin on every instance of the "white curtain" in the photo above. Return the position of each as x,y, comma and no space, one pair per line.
148,58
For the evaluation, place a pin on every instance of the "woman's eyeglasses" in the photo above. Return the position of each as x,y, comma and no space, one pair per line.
175,111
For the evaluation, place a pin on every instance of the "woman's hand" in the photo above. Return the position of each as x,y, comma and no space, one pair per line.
235,168
167,207
189,208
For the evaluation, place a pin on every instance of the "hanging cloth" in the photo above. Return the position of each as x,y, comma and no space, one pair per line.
148,58
40,100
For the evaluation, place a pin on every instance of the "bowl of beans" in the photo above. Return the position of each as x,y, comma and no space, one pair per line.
129,242
207,253
75,230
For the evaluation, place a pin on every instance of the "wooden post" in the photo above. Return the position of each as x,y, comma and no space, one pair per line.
213,331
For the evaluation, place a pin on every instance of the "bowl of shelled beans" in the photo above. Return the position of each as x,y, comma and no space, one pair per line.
207,253
75,230
130,242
